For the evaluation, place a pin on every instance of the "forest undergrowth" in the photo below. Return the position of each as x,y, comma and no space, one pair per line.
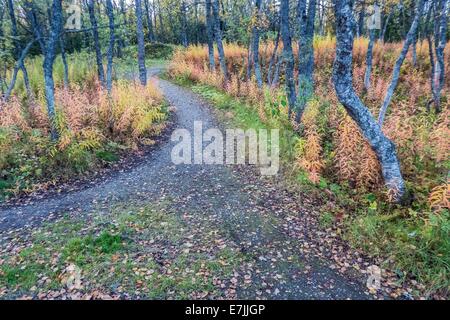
328,157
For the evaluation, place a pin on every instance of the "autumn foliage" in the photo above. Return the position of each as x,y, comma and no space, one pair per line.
93,128
331,145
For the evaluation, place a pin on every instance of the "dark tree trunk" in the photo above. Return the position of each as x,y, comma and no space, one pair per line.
49,59
305,55
123,12
98,50
369,60
255,46
110,53
141,44
288,55
19,62
343,82
160,17
64,61
385,25
151,34
17,45
210,35
123,41
396,73
362,15
270,73
48,45
218,34
249,60
414,51
2,48
184,35
276,75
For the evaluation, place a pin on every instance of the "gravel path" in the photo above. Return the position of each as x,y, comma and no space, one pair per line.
248,208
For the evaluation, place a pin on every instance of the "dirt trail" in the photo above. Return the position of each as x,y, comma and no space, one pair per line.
233,197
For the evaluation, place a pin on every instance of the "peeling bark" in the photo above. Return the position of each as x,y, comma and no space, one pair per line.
343,82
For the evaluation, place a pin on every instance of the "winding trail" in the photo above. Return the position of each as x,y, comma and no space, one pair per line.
251,213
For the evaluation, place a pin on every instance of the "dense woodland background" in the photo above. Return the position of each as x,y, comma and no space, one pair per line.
364,111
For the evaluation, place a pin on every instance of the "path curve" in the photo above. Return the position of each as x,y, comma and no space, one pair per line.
206,190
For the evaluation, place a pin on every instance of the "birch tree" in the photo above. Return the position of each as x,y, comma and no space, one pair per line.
97,47
288,55
48,43
343,82
306,17
438,74
255,43
396,72
17,51
210,34
110,53
141,44
218,36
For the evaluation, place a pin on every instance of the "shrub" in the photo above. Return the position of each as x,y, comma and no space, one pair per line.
93,127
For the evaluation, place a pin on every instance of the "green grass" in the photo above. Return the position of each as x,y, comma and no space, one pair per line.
30,158
244,116
417,245
137,247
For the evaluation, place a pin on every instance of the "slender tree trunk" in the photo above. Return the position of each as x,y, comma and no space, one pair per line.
184,35
288,55
110,53
161,23
249,59
141,45
123,42
218,34
362,15
431,55
276,75
16,69
273,59
414,52
151,34
2,48
305,55
396,73
64,61
210,35
386,23
255,46
17,45
97,47
369,60
343,82
49,60
441,41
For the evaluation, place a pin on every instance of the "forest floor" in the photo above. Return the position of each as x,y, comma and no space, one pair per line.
158,231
